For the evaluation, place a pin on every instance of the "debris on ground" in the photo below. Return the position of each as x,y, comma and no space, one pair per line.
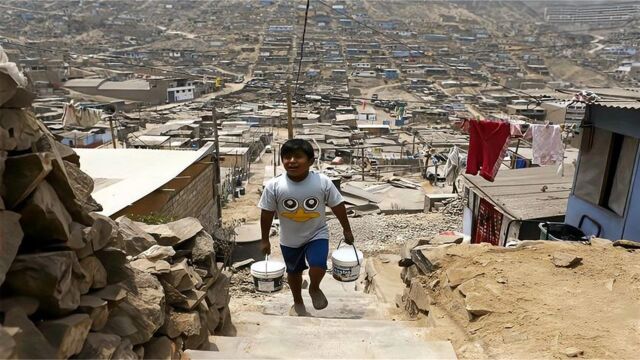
388,233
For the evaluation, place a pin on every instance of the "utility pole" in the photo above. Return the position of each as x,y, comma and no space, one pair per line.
413,151
362,163
289,112
217,165
113,138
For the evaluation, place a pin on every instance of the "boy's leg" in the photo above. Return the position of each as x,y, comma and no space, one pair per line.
316,253
294,260
295,284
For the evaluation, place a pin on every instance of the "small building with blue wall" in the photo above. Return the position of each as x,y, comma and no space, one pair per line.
605,200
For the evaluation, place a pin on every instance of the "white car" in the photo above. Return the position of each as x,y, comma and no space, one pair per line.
268,149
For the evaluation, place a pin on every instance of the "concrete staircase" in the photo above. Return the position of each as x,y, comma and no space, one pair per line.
354,325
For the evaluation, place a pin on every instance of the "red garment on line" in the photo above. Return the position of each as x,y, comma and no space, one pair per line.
487,146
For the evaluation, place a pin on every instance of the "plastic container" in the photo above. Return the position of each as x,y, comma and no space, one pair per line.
267,275
560,231
346,263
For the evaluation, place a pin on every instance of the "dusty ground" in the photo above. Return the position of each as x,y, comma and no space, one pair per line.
538,310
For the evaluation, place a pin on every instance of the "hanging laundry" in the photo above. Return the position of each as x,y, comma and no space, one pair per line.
455,161
546,144
80,117
488,145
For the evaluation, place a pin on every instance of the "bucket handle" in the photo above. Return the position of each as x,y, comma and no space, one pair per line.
266,261
354,250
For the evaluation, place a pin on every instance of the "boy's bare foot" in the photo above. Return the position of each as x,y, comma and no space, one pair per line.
298,310
319,300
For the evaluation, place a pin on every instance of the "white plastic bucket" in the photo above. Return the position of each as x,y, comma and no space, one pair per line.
346,263
267,275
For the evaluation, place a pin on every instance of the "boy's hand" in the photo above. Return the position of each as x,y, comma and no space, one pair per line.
265,247
348,237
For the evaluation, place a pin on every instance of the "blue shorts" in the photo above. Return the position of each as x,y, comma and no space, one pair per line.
315,252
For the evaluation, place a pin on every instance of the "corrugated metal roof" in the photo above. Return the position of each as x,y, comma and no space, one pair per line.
632,105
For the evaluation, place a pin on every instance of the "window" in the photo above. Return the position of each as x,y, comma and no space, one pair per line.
606,167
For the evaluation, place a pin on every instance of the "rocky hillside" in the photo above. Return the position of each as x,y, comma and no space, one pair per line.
74,283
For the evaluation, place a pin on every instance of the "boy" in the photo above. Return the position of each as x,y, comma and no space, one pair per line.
299,198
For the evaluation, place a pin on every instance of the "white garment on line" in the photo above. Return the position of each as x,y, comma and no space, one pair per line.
547,144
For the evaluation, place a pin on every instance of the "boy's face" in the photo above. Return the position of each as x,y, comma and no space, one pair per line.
296,163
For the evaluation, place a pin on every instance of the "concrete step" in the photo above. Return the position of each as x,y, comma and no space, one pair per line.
335,345
348,306
256,318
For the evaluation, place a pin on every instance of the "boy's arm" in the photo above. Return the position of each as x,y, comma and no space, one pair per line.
266,219
341,213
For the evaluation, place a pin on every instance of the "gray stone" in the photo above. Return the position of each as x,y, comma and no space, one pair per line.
10,240
561,259
82,186
182,277
112,293
225,327
199,341
135,239
21,99
457,276
201,248
22,175
144,306
7,143
7,344
428,257
161,348
103,232
628,244
97,309
213,319
67,334
124,351
173,233
53,278
99,346
95,274
45,220
236,266
152,267
218,294
572,352
27,304
419,295
156,252
181,323
22,126
478,304
113,260
30,343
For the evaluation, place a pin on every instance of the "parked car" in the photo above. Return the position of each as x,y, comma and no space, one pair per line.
268,149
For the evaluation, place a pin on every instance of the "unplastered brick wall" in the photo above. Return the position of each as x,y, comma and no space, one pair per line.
195,199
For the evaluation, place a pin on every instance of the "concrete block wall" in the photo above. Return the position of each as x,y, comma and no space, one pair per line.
196,199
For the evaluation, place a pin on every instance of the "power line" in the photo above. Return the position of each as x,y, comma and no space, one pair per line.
304,32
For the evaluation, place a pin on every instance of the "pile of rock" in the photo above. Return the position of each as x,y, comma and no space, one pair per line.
453,207
76,283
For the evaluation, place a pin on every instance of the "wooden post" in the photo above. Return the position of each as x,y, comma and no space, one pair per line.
275,154
113,137
515,156
217,166
289,113
413,151
362,163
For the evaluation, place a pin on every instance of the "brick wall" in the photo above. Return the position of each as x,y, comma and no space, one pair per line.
196,200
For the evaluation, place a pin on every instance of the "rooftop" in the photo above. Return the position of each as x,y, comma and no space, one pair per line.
124,176
518,193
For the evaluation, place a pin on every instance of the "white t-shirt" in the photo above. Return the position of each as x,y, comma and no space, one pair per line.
300,206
